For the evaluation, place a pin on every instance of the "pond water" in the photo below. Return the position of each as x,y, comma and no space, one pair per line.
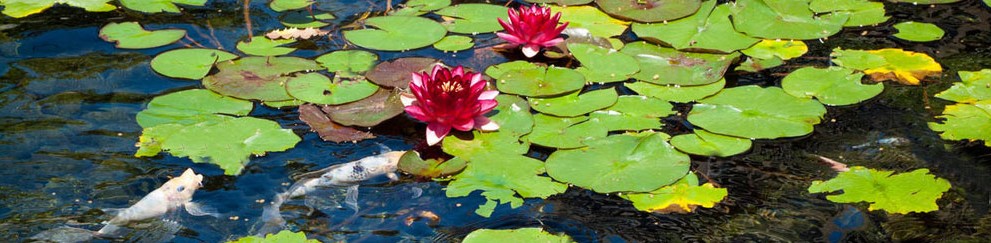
68,134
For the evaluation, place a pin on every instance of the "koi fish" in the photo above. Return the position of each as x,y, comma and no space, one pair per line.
850,219
886,142
837,166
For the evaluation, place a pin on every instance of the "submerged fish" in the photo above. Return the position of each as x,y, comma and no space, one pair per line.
850,219
837,166
893,141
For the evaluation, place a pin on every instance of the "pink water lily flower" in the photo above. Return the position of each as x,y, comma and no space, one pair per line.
450,98
533,28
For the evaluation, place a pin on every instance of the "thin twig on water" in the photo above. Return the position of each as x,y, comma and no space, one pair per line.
247,18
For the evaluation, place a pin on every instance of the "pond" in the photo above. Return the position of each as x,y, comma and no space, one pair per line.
697,121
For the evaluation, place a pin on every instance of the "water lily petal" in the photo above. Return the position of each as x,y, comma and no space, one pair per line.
407,99
436,132
485,124
488,95
531,50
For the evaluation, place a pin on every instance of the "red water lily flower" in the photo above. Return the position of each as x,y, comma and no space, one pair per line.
450,98
533,28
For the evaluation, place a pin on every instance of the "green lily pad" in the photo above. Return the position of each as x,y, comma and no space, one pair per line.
22,8
783,49
130,35
188,63
189,106
757,64
397,73
708,29
473,18
278,104
431,168
284,236
592,19
574,104
564,133
327,129
318,89
919,32
649,10
260,78
905,67
620,163
603,65
965,122
710,144
156,6
677,93
915,191
974,87
924,2
283,5
776,19
348,61
502,68
420,7
305,19
454,43
541,81
831,86
862,12
513,115
681,197
661,65
263,46
397,33
501,177
481,143
633,113
755,112
383,105
515,235
561,2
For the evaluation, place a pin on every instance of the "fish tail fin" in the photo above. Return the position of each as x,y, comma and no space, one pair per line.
271,219
110,230
384,149
64,234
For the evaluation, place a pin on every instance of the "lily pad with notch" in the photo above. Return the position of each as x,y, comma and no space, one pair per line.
708,29
574,104
592,19
189,63
327,129
318,89
681,197
677,93
503,179
832,86
516,235
603,65
649,10
662,65
454,43
862,12
397,33
259,78
905,67
754,112
640,162
540,82
776,19
22,8
396,73
633,113
915,191
974,86
564,133
368,112
130,35
918,32
411,163
513,115
710,144
263,46
348,61
283,5
473,18
157,6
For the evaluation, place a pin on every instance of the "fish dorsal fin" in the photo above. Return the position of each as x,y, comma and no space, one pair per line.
316,173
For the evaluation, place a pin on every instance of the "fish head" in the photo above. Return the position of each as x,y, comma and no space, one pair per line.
180,189
389,161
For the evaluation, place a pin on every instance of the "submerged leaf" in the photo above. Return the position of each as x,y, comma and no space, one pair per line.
915,191
515,235
681,197
130,35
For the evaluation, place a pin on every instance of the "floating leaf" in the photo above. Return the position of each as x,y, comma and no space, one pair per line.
974,87
513,115
603,65
831,86
188,63
130,35
21,8
564,133
920,32
784,50
590,18
420,7
397,33
662,65
633,113
348,61
327,129
283,5
296,33
501,177
305,19
431,168
862,12
965,121
515,235
620,163
677,93
906,67
681,197
710,144
926,1
282,103
284,236
473,18
318,89
260,78
540,81
755,112
708,29
189,106
756,64
156,6
454,43
262,46
914,191
562,2
574,104
770,19
382,105
397,73
498,70
649,10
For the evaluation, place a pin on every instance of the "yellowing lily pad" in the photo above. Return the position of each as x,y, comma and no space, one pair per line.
965,122
905,67
661,65
783,49
21,8
516,235
831,86
156,6
920,32
592,19
773,19
710,144
620,163
540,82
260,78
574,104
397,33
503,178
263,46
473,18
681,197
318,89
708,29
915,191
677,93
974,87
130,35
649,10
633,113
755,112
188,63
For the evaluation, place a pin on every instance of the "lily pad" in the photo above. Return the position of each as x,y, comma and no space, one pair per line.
397,73
755,112
926,1
283,5
420,7
592,19
501,178
513,115
498,70
189,107
603,65
473,18
260,78
681,197
905,67
757,64
620,163
188,63
649,10
283,103
574,104
831,86
397,33
862,12
974,87
776,19
541,81
661,65
327,129
677,93
561,2
915,191
368,112
348,61
708,29
454,43
130,35
782,49
919,32
710,144
564,133
281,237
515,235
965,122
318,89
633,113
22,8
431,168
305,19
156,6
263,46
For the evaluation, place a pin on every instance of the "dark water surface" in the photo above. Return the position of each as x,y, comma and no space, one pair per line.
67,132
